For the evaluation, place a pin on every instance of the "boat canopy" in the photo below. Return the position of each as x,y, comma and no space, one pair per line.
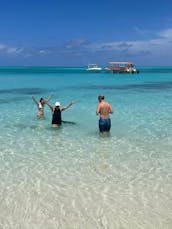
121,63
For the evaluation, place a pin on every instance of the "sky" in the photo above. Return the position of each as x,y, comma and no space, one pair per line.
76,32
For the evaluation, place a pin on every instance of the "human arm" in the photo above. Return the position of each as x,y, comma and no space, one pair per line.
66,107
33,97
51,108
98,110
49,98
110,109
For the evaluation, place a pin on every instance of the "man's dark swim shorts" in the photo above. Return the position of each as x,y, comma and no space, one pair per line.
104,125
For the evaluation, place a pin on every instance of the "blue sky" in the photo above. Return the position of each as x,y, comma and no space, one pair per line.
75,33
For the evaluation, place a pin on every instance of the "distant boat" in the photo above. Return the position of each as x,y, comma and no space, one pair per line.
121,67
93,68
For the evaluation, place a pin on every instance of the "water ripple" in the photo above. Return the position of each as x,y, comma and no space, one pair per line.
157,86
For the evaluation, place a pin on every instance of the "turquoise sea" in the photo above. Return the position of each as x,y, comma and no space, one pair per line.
71,177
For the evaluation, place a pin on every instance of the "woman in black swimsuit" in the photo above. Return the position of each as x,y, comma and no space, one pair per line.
56,117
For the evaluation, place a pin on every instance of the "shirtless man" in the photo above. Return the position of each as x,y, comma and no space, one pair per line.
104,109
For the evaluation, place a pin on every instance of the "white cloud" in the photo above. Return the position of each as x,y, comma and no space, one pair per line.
42,52
10,50
166,33
160,45
2,47
154,46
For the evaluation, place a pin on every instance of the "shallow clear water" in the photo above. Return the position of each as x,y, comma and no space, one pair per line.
70,177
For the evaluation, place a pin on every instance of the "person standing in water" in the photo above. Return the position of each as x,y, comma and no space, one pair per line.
104,109
57,110
40,105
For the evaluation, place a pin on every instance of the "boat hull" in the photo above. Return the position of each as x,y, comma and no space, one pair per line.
122,71
94,70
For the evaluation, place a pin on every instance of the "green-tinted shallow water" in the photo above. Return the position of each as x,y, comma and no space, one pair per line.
70,177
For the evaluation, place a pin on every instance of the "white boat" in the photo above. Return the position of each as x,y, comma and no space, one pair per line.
94,68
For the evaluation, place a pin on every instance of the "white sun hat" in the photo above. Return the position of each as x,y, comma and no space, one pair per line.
57,104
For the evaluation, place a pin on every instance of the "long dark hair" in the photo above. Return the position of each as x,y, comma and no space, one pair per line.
41,99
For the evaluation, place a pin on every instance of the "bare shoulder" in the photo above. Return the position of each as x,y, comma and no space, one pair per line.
108,104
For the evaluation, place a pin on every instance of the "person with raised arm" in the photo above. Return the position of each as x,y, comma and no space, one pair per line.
40,105
56,115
